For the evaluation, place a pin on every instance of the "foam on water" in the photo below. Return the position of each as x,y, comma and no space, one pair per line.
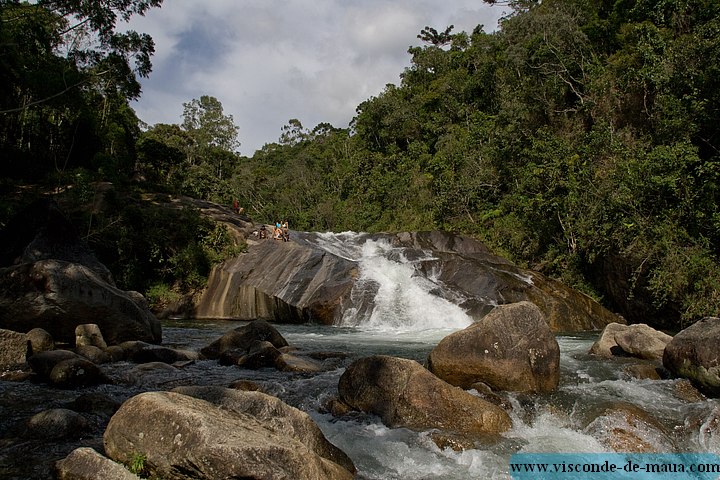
390,295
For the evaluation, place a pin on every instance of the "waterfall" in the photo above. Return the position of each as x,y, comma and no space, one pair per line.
391,293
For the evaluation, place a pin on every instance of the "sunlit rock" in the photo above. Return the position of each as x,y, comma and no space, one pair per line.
87,464
89,334
512,348
638,340
404,394
13,349
179,435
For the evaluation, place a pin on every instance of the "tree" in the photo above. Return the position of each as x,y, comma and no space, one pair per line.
59,61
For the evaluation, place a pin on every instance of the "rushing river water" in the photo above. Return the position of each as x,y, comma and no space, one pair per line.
557,422
401,318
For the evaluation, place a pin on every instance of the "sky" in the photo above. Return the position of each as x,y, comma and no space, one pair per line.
269,61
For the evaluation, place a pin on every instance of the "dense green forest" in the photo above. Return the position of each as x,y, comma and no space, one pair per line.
580,139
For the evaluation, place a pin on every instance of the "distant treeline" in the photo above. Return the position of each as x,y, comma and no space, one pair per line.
581,139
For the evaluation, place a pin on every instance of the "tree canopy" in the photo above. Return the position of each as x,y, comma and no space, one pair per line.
580,139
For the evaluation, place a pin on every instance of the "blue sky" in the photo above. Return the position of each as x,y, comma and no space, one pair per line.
268,61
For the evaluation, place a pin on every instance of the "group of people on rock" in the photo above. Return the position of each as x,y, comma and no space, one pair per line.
280,231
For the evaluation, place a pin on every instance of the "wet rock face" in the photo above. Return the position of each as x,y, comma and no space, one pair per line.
178,434
287,282
298,281
624,427
404,394
511,349
693,354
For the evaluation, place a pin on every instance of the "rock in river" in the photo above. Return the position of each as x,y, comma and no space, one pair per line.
404,394
511,349
184,437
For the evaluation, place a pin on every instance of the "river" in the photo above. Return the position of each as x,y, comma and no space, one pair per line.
398,314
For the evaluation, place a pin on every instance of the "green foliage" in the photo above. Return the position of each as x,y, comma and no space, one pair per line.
137,464
146,245
580,131
67,76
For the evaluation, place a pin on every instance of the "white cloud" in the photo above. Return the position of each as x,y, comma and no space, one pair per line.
268,61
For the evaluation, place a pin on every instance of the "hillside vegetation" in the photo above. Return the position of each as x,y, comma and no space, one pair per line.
580,139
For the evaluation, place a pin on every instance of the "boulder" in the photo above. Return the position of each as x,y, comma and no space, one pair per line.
77,372
66,369
94,354
40,231
511,349
276,414
42,363
638,340
40,340
57,423
58,296
86,464
89,334
606,345
178,434
404,394
242,338
154,353
642,341
693,354
13,349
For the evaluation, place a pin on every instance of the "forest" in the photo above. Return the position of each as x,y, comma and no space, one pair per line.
579,139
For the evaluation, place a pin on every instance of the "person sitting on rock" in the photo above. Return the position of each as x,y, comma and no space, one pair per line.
285,231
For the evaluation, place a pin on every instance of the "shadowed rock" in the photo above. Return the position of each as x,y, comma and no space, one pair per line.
693,354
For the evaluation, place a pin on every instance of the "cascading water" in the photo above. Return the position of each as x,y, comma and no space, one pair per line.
390,295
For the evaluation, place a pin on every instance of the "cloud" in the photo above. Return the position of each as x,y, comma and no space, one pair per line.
268,61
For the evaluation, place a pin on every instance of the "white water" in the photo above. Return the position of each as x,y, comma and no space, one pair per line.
389,294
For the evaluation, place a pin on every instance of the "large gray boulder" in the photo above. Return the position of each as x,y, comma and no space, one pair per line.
404,394
511,349
694,353
276,414
305,280
183,437
57,296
